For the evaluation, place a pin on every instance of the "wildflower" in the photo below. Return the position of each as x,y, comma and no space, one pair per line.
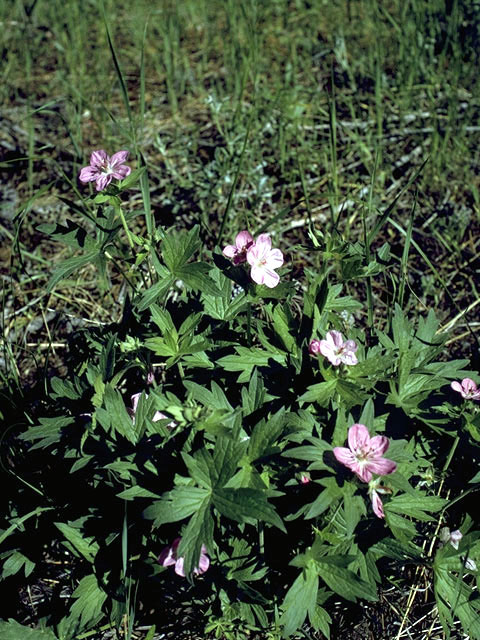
168,557
305,478
157,416
454,537
238,251
314,347
103,168
365,454
467,389
263,260
337,350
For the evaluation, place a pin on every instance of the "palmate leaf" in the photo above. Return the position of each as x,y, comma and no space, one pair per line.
179,246
13,630
87,547
247,358
178,504
198,531
343,581
246,504
300,600
67,267
90,598
456,599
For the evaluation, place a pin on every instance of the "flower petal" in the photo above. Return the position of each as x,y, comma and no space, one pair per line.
275,259
230,251
135,398
336,338
98,158
121,172
382,467
257,273
103,180
327,350
456,386
469,385
270,278
263,244
118,158
179,570
358,438
88,174
166,557
345,456
378,445
377,505
243,240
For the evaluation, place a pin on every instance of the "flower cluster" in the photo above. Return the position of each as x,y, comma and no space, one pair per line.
259,254
168,557
103,168
335,349
364,456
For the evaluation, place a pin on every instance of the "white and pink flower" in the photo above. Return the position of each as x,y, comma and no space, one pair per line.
467,389
364,454
238,251
337,350
264,260
103,168
168,557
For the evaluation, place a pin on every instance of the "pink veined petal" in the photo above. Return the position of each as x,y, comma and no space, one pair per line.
455,537
377,505
456,386
179,570
230,251
350,345
257,273
118,158
263,244
103,180
327,350
336,338
121,172
363,472
270,278
135,398
98,158
469,385
203,563
348,358
243,240
166,558
358,438
382,467
345,456
378,445
253,255
88,174
275,259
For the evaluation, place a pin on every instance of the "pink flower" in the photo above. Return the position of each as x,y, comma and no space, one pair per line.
337,350
305,478
314,347
157,416
454,537
168,557
467,389
102,168
365,454
263,260
238,251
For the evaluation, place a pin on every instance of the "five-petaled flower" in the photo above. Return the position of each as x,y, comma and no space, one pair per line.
467,389
103,168
168,557
264,260
365,454
238,251
338,350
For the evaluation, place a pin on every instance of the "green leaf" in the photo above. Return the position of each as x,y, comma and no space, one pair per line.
155,292
343,581
178,504
299,600
415,505
244,504
321,392
89,601
136,492
195,276
179,246
120,420
15,563
248,358
131,179
87,547
13,630
66,268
